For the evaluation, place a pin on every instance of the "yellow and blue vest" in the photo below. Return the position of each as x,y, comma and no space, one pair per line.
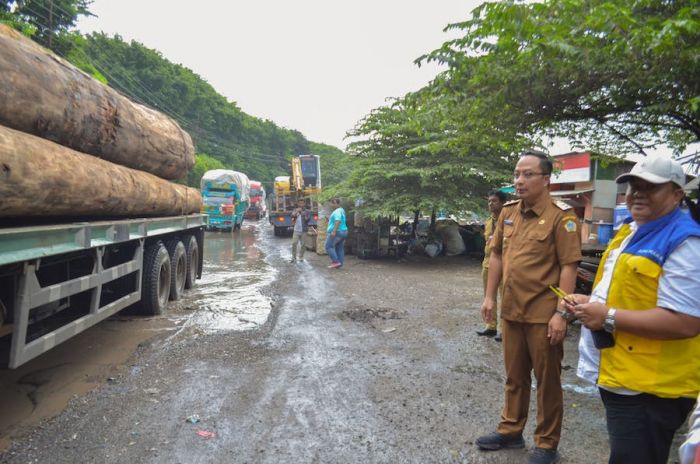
665,368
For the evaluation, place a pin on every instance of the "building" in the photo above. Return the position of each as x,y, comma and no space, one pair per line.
588,185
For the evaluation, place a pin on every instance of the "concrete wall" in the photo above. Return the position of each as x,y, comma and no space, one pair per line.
605,194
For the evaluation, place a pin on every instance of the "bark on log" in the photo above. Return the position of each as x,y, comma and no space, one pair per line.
41,178
44,95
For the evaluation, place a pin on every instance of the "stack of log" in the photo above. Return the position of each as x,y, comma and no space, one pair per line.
71,146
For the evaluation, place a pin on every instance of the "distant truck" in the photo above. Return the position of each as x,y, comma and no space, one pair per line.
304,183
225,198
258,201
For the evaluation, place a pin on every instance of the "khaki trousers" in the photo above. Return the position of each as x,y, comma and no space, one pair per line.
485,277
300,239
526,348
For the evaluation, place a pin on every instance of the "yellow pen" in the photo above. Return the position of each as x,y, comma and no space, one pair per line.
562,294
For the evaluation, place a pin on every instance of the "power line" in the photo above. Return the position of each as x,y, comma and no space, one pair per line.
207,136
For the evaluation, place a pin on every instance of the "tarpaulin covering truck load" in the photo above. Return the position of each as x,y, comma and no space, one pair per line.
89,221
225,197
304,183
258,201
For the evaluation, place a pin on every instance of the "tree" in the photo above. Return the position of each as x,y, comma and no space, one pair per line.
218,127
52,18
412,156
202,164
613,76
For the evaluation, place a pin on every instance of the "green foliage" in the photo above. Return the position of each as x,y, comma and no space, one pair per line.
411,155
52,17
259,148
613,76
202,164
336,165
232,138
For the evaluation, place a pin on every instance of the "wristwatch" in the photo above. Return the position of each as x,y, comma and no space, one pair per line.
609,324
567,316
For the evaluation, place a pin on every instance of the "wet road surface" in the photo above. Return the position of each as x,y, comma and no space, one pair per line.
268,361
228,297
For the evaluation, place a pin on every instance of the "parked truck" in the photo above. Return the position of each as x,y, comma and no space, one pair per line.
258,201
90,223
304,183
225,198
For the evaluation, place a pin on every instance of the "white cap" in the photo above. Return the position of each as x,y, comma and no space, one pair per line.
657,171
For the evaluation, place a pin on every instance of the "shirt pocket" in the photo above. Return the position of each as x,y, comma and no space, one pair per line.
538,241
635,345
507,235
644,275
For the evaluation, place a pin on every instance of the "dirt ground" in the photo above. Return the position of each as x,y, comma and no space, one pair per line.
376,362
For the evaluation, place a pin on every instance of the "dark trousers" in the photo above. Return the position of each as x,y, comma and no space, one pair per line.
641,427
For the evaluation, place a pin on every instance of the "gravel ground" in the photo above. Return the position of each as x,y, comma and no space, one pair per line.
376,362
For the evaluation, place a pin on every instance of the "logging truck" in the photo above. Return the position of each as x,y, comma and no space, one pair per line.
304,183
90,222
58,280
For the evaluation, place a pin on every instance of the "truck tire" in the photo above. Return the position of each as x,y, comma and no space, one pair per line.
178,267
155,282
192,250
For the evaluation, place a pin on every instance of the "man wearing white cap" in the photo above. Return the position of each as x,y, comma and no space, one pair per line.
646,297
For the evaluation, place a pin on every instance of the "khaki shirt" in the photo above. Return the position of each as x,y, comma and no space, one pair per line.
489,226
534,244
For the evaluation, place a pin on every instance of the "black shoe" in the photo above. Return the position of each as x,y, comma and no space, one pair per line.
543,456
495,441
498,338
486,332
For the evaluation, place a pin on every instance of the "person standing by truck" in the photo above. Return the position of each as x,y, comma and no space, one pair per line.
337,233
300,219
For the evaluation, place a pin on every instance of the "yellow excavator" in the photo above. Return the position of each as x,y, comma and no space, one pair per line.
304,183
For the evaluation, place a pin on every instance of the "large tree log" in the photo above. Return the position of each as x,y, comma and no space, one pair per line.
44,95
41,178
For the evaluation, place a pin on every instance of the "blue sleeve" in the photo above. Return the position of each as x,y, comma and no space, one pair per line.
679,285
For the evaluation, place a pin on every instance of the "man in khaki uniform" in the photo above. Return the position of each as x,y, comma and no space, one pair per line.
536,244
496,199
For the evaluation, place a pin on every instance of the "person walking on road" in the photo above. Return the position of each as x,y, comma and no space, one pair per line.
300,218
337,233
536,244
646,301
496,199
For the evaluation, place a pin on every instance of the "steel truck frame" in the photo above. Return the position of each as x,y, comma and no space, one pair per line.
58,280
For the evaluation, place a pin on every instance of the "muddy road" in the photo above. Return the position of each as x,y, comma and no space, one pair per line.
270,361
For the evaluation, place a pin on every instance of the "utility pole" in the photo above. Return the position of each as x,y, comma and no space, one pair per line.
50,23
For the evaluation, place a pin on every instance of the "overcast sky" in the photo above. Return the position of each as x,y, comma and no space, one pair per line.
317,66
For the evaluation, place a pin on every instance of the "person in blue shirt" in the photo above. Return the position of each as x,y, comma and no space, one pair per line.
337,233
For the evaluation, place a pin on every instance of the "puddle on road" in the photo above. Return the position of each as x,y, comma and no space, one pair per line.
228,297
229,294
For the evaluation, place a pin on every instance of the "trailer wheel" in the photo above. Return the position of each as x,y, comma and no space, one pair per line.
192,248
155,284
178,267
